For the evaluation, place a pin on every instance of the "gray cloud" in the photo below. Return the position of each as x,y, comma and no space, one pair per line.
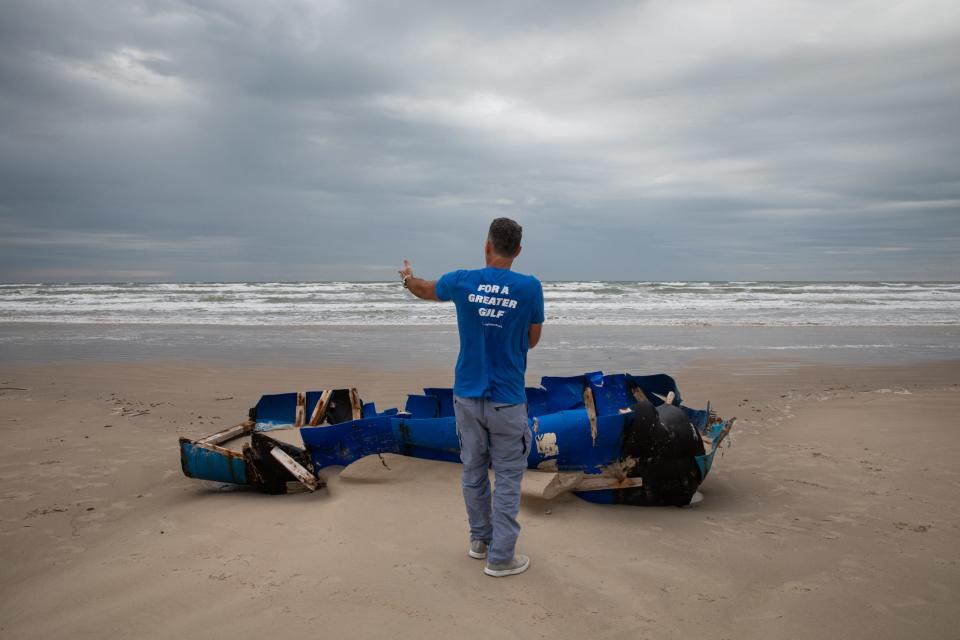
315,140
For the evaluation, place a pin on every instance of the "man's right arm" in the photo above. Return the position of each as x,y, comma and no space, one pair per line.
423,289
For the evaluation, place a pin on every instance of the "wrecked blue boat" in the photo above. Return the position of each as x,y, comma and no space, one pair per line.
613,439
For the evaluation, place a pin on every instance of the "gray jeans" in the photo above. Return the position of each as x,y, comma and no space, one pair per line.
492,433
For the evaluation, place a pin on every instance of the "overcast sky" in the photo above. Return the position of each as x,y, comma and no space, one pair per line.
661,140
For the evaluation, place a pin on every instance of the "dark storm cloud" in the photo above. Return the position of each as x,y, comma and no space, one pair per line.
315,140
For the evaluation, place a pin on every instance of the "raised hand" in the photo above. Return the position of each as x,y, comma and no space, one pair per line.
406,271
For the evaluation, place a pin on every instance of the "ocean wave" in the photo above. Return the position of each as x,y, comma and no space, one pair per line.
590,303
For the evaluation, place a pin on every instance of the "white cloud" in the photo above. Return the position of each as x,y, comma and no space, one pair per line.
127,74
506,118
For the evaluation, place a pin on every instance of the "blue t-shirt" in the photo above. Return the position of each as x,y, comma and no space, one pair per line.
495,308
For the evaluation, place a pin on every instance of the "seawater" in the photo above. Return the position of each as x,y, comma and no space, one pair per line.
732,304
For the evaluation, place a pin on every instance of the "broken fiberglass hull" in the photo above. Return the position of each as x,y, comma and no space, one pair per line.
610,439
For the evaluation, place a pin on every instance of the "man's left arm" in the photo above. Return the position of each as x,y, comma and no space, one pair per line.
423,289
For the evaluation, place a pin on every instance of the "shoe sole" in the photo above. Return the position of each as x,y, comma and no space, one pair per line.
474,554
502,573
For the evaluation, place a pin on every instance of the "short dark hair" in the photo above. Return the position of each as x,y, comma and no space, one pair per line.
505,235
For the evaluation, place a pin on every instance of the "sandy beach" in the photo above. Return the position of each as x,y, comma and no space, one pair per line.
830,514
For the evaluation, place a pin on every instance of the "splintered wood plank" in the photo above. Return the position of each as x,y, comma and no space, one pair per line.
321,409
565,482
303,476
296,487
301,409
221,450
598,483
590,405
229,433
355,404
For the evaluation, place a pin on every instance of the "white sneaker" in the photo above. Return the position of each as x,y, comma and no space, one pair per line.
519,564
478,549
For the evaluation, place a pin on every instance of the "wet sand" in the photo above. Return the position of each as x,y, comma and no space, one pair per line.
830,512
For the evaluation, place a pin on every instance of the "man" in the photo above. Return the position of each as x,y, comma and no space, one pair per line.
499,315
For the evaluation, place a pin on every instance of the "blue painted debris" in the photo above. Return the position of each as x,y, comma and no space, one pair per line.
615,439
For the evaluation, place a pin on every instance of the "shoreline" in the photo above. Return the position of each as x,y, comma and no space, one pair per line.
572,349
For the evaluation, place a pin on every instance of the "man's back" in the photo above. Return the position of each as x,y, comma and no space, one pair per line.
495,308
500,316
